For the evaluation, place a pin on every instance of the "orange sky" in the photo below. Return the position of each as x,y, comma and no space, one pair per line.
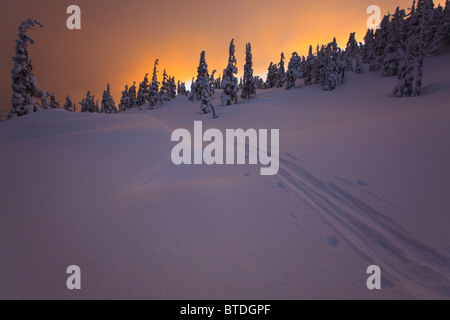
120,40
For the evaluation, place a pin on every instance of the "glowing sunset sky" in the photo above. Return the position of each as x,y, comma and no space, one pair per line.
120,40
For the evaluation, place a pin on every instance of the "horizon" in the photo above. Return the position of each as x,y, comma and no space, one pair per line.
71,62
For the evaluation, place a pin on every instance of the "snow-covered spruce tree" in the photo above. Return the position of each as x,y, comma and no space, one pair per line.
229,81
153,91
272,74
125,100
368,51
142,95
337,57
24,84
241,83
394,53
88,104
321,66
259,82
53,103
193,93
350,51
181,88
163,89
204,86
218,83
281,76
437,29
353,59
333,67
426,19
410,71
69,106
171,89
108,104
212,82
249,84
309,67
293,72
381,39
45,100
132,95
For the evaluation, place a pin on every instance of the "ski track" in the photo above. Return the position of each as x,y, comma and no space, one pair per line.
411,266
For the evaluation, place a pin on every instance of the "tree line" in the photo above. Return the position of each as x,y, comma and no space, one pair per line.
396,48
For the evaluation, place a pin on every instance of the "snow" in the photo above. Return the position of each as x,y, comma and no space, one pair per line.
363,180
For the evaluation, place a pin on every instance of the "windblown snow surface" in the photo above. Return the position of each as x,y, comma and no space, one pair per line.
364,179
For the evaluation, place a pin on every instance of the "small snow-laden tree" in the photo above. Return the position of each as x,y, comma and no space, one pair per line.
153,91
142,95
125,100
108,104
212,82
229,81
204,86
163,89
69,106
353,59
45,100
24,84
332,75
192,94
394,53
318,63
249,85
218,83
337,57
350,52
411,69
132,94
259,82
293,72
272,74
171,89
88,104
309,67
53,103
302,68
281,76
181,88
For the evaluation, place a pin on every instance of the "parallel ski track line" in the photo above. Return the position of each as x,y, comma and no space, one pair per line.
377,237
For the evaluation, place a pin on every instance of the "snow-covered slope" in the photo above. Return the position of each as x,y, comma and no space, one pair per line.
363,180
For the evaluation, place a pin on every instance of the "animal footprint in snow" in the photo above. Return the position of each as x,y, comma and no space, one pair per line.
361,183
332,241
280,185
